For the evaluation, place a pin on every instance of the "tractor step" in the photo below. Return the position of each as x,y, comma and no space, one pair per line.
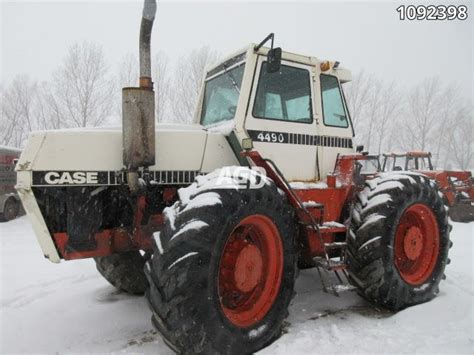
330,265
332,227
312,204
335,245
326,229
338,267
344,288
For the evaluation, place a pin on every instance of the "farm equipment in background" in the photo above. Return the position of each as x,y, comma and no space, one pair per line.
457,186
371,166
10,205
212,219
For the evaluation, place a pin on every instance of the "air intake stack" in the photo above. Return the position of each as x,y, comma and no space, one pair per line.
138,108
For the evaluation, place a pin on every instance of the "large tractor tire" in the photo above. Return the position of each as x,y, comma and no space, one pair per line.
399,240
10,210
223,274
124,271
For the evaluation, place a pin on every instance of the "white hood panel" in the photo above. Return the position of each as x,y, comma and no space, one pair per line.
178,147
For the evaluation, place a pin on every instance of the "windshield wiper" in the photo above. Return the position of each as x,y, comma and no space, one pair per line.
229,74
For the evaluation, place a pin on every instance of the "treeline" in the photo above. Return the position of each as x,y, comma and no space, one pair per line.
84,91
429,116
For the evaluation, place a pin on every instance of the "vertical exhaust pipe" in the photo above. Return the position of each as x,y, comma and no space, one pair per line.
149,11
138,108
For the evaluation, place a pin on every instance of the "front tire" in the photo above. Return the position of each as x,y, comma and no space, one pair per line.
223,276
399,240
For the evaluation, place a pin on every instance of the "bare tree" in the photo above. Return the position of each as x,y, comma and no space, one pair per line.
446,121
128,77
371,105
83,85
48,111
461,137
9,120
422,114
17,111
371,113
128,71
187,82
160,70
357,94
389,107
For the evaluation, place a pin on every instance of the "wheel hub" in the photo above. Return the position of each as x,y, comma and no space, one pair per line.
417,244
248,268
250,271
413,243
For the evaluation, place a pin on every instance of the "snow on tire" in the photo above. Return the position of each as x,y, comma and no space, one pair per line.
399,240
222,276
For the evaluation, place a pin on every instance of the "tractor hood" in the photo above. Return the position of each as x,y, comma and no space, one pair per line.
178,148
93,157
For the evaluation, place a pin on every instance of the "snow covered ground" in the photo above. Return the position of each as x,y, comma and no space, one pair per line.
65,308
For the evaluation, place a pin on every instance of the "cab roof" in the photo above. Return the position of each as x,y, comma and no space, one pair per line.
343,74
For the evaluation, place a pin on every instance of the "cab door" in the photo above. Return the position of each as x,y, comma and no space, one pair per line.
335,126
280,118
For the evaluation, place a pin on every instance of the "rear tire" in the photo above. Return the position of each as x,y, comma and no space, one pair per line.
124,271
399,240
198,306
10,210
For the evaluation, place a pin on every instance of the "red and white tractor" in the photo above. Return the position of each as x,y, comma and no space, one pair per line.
456,186
212,220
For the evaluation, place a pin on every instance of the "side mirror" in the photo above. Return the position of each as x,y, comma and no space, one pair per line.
274,60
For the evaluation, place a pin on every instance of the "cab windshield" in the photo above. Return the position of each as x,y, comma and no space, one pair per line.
418,163
393,163
221,94
370,166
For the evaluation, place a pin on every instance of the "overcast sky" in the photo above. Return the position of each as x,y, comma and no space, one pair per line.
35,35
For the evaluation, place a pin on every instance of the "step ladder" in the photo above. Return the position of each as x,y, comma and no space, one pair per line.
324,264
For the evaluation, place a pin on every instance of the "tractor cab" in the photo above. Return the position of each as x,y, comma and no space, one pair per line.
371,165
292,108
409,161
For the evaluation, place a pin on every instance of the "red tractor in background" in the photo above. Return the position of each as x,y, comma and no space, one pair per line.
456,186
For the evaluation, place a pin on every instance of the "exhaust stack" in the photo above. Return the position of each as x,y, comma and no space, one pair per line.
149,11
138,108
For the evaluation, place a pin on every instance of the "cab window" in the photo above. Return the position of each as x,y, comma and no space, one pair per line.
221,95
412,163
284,96
334,113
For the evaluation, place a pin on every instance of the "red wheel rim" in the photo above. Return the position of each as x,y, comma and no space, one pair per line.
250,271
416,244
